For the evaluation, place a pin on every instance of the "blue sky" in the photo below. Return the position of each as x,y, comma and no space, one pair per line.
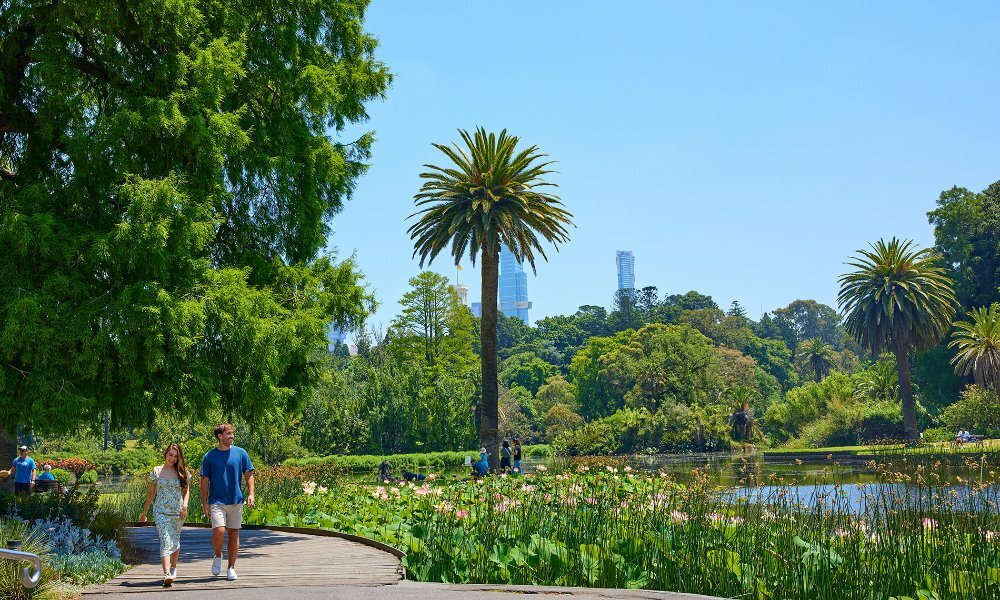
744,150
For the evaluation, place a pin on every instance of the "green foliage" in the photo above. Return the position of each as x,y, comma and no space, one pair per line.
673,428
424,460
978,411
527,371
88,477
967,234
63,476
603,527
491,195
35,543
434,328
977,345
170,178
899,299
808,403
810,320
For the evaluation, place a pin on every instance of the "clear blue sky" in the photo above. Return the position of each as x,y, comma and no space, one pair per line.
744,150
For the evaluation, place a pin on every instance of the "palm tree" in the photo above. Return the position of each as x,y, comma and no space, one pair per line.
880,381
817,356
978,344
897,299
742,421
491,195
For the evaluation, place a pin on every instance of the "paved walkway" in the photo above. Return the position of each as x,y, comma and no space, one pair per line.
310,565
267,559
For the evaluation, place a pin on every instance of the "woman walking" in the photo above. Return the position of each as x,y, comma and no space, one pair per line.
168,493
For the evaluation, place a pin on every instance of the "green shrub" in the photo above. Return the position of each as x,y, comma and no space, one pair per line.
10,583
63,476
88,477
87,568
978,411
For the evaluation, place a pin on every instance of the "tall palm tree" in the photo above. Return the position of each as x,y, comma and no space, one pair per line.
817,356
491,194
978,344
897,299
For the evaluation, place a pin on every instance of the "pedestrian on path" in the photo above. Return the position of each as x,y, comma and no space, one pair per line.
517,457
505,456
24,471
222,494
168,494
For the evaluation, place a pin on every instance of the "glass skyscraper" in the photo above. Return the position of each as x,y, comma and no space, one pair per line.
513,288
626,269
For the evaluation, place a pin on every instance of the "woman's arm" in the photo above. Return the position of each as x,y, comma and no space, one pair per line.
187,497
150,494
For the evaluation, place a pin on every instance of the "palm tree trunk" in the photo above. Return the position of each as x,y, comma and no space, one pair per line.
906,393
489,424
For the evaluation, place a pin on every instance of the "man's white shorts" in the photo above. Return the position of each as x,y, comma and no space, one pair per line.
226,515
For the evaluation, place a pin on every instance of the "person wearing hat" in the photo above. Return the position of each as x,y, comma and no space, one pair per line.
480,468
23,468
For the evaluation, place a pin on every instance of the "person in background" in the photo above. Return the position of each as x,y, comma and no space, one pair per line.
505,456
169,493
385,473
44,480
480,468
23,469
222,495
517,457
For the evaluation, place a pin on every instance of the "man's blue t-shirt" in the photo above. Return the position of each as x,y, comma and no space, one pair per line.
23,469
224,470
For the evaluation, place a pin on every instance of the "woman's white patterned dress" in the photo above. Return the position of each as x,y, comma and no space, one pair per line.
167,512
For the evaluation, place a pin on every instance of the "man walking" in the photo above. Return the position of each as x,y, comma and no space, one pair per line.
222,495
24,471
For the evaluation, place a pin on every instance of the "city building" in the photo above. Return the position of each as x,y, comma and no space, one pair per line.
626,269
335,336
477,310
513,289
463,293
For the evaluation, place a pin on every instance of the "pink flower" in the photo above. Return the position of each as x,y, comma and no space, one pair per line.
678,516
591,500
461,514
547,496
929,523
542,468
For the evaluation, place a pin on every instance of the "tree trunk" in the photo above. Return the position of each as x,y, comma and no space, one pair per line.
489,425
906,393
8,451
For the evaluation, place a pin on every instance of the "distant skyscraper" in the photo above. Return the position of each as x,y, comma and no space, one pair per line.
513,292
477,310
463,293
626,269
335,337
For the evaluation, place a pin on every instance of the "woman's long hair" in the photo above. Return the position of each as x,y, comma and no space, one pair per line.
181,467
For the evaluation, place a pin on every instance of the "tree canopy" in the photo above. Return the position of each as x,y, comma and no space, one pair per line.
167,177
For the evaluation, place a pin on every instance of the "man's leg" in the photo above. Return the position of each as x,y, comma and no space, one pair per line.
217,535
234,546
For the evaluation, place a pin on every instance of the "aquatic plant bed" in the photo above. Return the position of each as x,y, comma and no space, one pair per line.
917,535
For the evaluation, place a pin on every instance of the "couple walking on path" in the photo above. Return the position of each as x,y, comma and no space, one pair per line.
222,500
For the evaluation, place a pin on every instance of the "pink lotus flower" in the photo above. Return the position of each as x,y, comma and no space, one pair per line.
591,500
929,523
542,468
461,514
678,517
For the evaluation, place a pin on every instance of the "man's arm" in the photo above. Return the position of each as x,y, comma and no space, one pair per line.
203,488
251,500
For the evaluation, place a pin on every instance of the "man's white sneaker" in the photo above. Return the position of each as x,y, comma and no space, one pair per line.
168,579
231,574
173,572
217,566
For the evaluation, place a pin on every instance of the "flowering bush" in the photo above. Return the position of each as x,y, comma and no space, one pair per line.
76,466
